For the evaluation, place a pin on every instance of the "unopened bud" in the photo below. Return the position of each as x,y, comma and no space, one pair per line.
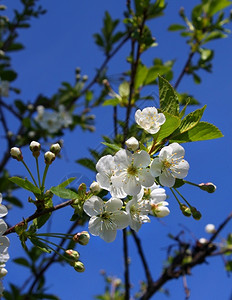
10,134
30,107
203,241
55,148
78,69
208,187
16,153
132,144
79,267
35,148
195,213
82,238
95,187
181,12
3,272
78,77
85,78
49,157
73,254
210,228
185,210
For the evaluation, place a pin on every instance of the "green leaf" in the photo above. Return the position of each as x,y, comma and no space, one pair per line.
154,72
191,120
112,146
176,27
22,261
201,132
112,102
66,182
124,89
216,6
15,47
206,54
88,163
13,200
213,36
40,221
42,246
25,184
63,193
140,75
168,98
8,75
170,125
229,266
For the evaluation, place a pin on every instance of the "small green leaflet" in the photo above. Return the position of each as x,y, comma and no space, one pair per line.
25,184
66,182
42,246
63,193
112,146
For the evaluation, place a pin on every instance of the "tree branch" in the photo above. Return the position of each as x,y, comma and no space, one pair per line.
184,70
126,265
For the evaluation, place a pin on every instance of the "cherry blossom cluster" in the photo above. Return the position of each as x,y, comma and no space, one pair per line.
131,177
53,121
4,244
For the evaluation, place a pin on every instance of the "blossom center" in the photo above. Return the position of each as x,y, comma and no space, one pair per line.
167,164
132,170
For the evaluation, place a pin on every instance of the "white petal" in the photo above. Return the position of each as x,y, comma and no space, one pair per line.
3,211
145,177
122,159
161,119
131,186
105,164
117,180
103,181
162,211
180,170
0,198
114,204
117,192
165,153
93,206
4,243
108,235
95,225
121,219
3,227
137,116
142,159
166,179
178,150
158,195
156,167
135,225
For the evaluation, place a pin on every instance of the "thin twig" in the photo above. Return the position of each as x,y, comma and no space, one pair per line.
39,214
126,265
184,70
142,256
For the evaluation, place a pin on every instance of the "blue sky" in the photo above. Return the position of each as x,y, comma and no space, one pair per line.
56,44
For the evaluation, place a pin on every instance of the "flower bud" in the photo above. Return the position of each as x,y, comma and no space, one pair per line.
210,228
208,187
78,70
95,187
82,238
203,241
35,148
3,272
73,254
85,78
79,267
195,213
49,157
55,148
132,144
16,153
185,210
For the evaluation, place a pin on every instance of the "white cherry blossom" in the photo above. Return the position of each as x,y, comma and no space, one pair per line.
106,168
3,209
132,171
149,119
106,217
170,165
138,211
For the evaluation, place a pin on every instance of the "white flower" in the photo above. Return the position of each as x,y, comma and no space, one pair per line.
138,211
4,241
106,168
3,209
210,228
132,143
159,209
170,165
49,121
149,119
132,171
3,272
106,217
65,116
4,88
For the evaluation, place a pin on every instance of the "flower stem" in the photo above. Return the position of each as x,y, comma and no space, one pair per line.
191,183
183,198
44,175
29,172
41,239
37,166
175,196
